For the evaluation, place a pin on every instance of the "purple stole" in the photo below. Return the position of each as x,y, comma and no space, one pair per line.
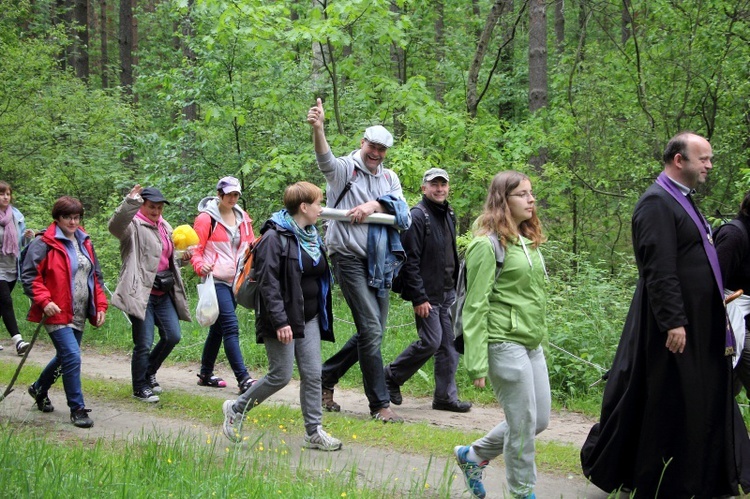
708,245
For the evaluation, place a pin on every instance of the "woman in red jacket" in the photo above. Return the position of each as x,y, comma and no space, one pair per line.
61,275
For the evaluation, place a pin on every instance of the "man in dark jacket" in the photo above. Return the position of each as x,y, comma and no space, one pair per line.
428,280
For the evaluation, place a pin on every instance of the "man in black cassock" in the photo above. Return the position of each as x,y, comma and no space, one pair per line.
668,412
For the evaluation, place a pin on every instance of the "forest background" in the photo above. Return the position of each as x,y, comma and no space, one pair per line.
97,95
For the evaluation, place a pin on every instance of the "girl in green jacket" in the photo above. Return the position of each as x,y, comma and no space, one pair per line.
504,325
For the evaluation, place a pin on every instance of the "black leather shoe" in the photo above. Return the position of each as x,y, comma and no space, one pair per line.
457,406
394,391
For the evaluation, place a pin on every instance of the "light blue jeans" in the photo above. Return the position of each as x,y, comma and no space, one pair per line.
521,384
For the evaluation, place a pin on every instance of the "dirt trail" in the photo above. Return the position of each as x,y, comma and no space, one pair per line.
125,420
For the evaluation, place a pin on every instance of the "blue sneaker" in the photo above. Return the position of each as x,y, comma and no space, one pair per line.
472,471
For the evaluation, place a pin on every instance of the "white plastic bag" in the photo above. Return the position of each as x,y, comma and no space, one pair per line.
736,311
208,305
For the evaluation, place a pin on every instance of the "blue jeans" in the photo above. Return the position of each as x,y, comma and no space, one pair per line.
435,339
160,312
67,362
370,314
227,328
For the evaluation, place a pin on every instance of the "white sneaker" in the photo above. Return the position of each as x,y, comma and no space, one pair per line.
321,440
232,426
21,346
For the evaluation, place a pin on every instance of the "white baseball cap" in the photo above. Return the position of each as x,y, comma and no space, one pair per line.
229,184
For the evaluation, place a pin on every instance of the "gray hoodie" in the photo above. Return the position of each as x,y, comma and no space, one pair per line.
343,237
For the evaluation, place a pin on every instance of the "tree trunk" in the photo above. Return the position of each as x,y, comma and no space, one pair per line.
505,107
626,21
61,16
439,85
324,60
398,60
537,55
190,109
472,99
538,64
477,12
560,24
104,32
126,47
318,63
80,34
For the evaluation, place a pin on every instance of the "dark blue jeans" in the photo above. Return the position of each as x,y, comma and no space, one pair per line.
67,362
370,315
160,312
227,328
435,338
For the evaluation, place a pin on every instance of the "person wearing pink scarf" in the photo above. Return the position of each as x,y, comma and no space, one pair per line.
13,235
150,289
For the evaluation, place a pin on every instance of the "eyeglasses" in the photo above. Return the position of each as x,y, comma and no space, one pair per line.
71,218
524,194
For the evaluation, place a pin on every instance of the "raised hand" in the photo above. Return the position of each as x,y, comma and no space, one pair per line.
316,115
135,191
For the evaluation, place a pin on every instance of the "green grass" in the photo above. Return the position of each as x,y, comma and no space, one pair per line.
158,466
276,419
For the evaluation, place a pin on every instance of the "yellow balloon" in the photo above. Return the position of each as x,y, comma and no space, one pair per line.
184,236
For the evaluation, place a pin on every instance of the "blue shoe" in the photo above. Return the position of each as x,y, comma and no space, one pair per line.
472,471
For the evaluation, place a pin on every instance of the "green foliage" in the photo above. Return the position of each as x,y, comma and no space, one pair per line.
585,313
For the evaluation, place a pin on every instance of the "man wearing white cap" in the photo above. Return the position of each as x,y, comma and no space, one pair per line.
356,182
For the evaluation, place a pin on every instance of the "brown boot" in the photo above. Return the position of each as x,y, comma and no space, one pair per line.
386,415
328,403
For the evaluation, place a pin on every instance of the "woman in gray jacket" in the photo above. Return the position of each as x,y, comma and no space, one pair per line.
150,289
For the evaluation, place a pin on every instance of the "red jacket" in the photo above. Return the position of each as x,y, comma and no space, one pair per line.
46,276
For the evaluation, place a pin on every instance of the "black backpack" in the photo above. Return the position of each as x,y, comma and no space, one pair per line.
458,306
743,230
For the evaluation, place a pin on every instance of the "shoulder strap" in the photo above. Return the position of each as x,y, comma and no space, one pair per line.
346,188
499,254
427,228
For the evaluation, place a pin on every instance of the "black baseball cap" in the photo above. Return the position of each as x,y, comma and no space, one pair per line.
154,195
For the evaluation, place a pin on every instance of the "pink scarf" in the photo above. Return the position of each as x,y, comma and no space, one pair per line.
166,242
10,239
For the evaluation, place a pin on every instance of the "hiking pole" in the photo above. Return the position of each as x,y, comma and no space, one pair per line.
9,389
123,312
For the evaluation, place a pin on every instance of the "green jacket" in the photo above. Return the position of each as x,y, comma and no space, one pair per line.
513,308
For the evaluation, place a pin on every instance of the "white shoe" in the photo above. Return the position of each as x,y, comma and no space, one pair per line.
321,440
21,346
232,426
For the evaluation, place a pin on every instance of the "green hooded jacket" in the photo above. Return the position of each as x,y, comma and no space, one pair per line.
513,308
